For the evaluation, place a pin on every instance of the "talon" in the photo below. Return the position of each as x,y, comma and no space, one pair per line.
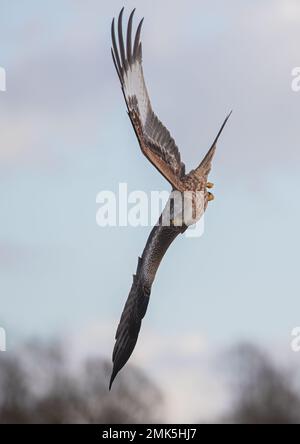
210,197
209,185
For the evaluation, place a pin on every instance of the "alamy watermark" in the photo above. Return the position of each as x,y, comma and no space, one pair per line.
2,340
2,79
295,342
139,209
2,330
295,85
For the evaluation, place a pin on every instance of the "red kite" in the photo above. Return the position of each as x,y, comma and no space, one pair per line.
160,148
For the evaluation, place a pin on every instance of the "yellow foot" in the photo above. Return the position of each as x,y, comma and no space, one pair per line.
210,197
209,185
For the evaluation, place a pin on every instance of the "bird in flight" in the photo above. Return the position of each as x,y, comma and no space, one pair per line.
189,197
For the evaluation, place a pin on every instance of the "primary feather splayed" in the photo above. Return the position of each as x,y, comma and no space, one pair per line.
160,148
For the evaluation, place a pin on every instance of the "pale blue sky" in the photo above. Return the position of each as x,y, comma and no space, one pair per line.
66,136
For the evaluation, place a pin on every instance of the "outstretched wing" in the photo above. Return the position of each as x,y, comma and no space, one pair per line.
155,140
204,168
136,305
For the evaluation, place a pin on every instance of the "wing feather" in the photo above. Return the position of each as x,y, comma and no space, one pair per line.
155,140
204,168
136,305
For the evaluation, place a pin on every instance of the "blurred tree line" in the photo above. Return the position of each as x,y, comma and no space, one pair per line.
262,392
38,385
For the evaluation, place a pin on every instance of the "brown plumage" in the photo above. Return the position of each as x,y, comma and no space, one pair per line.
160,148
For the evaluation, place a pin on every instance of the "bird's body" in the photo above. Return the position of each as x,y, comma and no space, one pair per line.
189,197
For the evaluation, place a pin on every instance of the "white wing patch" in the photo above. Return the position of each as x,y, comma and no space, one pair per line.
135,90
